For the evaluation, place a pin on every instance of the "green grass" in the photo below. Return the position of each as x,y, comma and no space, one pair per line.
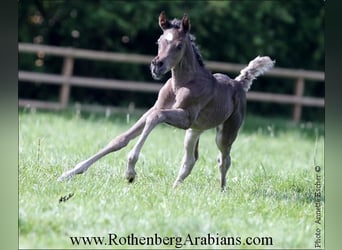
270,183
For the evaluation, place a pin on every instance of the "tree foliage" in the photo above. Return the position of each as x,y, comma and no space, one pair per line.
291,32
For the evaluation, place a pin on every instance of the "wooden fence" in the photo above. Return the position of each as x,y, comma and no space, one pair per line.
66,79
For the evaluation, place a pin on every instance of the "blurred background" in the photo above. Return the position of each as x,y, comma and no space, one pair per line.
290,32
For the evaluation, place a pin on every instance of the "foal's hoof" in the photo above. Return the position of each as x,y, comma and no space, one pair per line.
130,179
130,176
65,176
176,184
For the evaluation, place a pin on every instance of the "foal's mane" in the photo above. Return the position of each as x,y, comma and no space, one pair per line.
176,23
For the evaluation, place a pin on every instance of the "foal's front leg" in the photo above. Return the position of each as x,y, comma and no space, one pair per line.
190,155
116,144
175,117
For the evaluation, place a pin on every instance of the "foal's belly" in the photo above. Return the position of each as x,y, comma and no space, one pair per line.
215,112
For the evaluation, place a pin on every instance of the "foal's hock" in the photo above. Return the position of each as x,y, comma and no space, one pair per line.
192,99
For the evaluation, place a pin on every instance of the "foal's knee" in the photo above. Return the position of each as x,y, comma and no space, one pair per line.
132,158
155,116
118,143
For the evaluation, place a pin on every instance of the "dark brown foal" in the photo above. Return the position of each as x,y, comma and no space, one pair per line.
192,99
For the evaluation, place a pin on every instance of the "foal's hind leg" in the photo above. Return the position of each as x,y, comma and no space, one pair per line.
225,136
190,156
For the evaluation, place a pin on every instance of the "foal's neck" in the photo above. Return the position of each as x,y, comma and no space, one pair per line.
187,69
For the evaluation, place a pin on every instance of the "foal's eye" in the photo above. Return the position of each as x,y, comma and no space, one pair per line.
179,45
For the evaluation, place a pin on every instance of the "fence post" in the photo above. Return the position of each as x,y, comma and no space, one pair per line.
299,91
67,70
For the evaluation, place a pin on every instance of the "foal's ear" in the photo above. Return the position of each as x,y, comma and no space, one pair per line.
163,22
185,23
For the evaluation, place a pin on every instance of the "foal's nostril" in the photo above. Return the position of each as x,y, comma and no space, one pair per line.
157,63
160,63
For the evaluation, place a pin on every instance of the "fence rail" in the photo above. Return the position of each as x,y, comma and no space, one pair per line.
66,79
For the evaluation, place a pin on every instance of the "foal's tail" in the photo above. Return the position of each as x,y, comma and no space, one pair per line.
255,68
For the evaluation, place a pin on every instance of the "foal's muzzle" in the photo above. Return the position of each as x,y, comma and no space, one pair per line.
157,68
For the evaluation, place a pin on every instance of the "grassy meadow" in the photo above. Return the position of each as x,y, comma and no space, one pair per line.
271,185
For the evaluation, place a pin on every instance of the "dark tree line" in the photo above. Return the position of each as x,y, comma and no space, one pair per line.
291,32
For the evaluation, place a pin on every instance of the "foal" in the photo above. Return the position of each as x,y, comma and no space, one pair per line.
192,99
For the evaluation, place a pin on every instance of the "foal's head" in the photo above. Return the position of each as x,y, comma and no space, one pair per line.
172,44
